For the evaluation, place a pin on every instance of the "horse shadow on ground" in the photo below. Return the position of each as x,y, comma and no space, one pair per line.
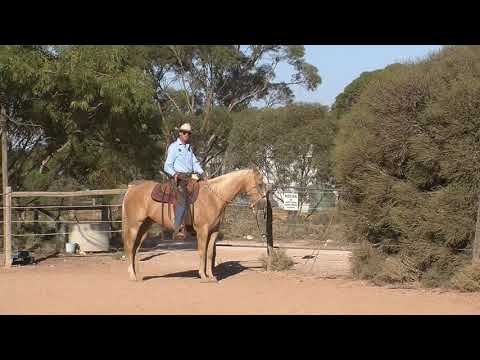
156,244
222,271
152,256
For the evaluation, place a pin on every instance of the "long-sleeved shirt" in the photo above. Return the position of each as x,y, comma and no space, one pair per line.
180,158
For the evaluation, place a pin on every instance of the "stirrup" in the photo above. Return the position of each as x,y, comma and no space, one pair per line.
179,234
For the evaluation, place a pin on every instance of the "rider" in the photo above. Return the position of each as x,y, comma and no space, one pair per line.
181,163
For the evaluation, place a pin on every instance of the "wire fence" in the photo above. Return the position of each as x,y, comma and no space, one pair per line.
42,223
300,215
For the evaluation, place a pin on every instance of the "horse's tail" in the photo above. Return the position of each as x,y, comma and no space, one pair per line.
122,199
124,216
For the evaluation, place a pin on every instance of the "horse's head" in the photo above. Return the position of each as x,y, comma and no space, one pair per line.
256,190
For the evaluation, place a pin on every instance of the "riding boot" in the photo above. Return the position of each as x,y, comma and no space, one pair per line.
178,233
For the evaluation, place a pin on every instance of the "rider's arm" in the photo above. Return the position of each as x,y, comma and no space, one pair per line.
171,155
197,168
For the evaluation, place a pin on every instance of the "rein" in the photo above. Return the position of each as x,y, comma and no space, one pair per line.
251,205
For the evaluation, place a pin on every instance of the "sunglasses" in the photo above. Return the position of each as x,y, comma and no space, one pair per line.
185,132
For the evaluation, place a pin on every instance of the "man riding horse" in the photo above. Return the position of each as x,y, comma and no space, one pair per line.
181,164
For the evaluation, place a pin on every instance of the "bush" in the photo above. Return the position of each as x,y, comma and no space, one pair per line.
366,261
407,163
467,279
278,261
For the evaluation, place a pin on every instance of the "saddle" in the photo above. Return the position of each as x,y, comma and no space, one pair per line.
167,192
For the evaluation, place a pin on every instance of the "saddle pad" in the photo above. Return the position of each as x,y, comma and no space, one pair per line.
166,193
193,187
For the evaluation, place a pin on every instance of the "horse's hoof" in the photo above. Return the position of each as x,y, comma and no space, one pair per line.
209,280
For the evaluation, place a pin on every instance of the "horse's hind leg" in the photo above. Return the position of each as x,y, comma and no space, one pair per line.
134,235
141,235
130,236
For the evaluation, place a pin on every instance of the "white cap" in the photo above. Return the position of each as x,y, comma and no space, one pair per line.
186,127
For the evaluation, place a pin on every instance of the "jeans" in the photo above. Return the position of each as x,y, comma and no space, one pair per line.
179,212
181,205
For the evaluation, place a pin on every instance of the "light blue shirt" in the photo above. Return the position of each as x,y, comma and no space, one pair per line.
180,158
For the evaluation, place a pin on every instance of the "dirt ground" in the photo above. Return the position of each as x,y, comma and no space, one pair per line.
99,285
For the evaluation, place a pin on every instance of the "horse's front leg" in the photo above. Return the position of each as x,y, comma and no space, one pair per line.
202,241
211,256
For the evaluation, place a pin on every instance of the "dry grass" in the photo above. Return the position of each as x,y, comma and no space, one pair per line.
278,261
467,279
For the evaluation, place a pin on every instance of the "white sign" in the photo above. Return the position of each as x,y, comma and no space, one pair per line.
290,201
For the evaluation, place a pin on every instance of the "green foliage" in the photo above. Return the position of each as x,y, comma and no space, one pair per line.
344,101
99,116
290,144
407,163
93,111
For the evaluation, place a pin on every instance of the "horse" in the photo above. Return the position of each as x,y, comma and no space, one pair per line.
140,211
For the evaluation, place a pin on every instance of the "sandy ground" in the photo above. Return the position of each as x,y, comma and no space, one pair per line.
99,285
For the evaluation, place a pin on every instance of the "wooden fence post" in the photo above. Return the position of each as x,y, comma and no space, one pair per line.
476,241
5,189
105,219
7,230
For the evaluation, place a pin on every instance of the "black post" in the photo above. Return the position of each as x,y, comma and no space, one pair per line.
476,241
269,232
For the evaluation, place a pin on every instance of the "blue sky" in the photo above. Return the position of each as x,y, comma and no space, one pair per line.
339,65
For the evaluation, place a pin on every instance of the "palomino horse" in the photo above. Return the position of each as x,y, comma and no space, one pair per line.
139,212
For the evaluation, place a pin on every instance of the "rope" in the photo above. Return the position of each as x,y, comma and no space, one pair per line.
317,250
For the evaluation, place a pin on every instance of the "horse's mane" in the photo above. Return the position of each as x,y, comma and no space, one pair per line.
221,178
217,182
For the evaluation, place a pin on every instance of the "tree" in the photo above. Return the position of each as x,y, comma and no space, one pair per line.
407,162
103,115
72,108
292,145
193,80
350,95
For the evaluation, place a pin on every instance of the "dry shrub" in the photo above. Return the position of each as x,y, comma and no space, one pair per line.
467,279
408,169
278,261
366,261
395,270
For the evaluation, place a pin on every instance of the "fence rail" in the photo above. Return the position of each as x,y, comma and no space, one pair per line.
59,223
68,193
238,220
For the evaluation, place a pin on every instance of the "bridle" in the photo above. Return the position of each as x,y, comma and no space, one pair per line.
258,191
251,204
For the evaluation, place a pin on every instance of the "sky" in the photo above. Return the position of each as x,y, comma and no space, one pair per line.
339,65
